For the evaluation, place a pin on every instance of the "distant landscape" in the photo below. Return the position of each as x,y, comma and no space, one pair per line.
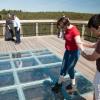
44,15
29,29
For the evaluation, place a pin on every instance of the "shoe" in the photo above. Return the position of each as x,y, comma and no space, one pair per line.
12,39
7,39
56,88
17,42
71,88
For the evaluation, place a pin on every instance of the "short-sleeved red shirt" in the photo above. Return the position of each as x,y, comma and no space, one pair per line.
70,35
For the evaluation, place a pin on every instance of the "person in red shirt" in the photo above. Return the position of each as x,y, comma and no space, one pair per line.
73,45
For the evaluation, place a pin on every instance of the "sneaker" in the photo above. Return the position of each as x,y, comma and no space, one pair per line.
71,88
17,42
13,39
56,88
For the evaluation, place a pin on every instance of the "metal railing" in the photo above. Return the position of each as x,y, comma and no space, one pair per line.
46,27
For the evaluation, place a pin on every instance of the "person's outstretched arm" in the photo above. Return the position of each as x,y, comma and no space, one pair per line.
91,57
89,45
95,55
79,42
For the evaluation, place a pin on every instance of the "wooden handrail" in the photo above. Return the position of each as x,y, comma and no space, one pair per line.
47,21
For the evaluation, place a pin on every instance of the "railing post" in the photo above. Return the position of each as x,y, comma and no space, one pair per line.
3,29
37,29
34,29
51,28
21,31
83,31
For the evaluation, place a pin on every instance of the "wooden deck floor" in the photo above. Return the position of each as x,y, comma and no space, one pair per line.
54,44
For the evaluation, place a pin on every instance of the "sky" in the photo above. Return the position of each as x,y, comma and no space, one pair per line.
81,6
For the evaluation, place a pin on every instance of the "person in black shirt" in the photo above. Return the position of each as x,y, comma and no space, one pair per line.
9,34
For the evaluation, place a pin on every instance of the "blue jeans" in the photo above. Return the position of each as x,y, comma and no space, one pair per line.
69,61
17,34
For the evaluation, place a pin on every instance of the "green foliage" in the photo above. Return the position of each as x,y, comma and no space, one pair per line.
28,29
45,15
44,28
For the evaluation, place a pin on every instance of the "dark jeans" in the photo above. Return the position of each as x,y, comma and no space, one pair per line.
17,34
12,33
69,61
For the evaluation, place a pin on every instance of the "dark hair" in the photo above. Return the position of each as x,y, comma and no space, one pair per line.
94,21
64,20
13,14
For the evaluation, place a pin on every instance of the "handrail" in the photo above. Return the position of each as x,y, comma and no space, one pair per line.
35,27
47,20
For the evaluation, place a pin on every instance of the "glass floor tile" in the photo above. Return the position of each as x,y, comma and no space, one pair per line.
39,73
25,62
21,55
6,79
38,93
83,85
32,75
41,52
43,91
53,71
5,57
9,95
40,70
5,65
49,59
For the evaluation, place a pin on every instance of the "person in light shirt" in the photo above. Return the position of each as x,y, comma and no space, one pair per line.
16,24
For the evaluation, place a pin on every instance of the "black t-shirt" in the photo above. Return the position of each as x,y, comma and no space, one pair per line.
9,23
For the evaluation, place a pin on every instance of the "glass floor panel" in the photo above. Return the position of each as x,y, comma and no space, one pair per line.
25,62
21,55
32,75
5,65
49,59
41,52
4,57
83,85
43,92
6,79
29,75
9,95
39,73
38,93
